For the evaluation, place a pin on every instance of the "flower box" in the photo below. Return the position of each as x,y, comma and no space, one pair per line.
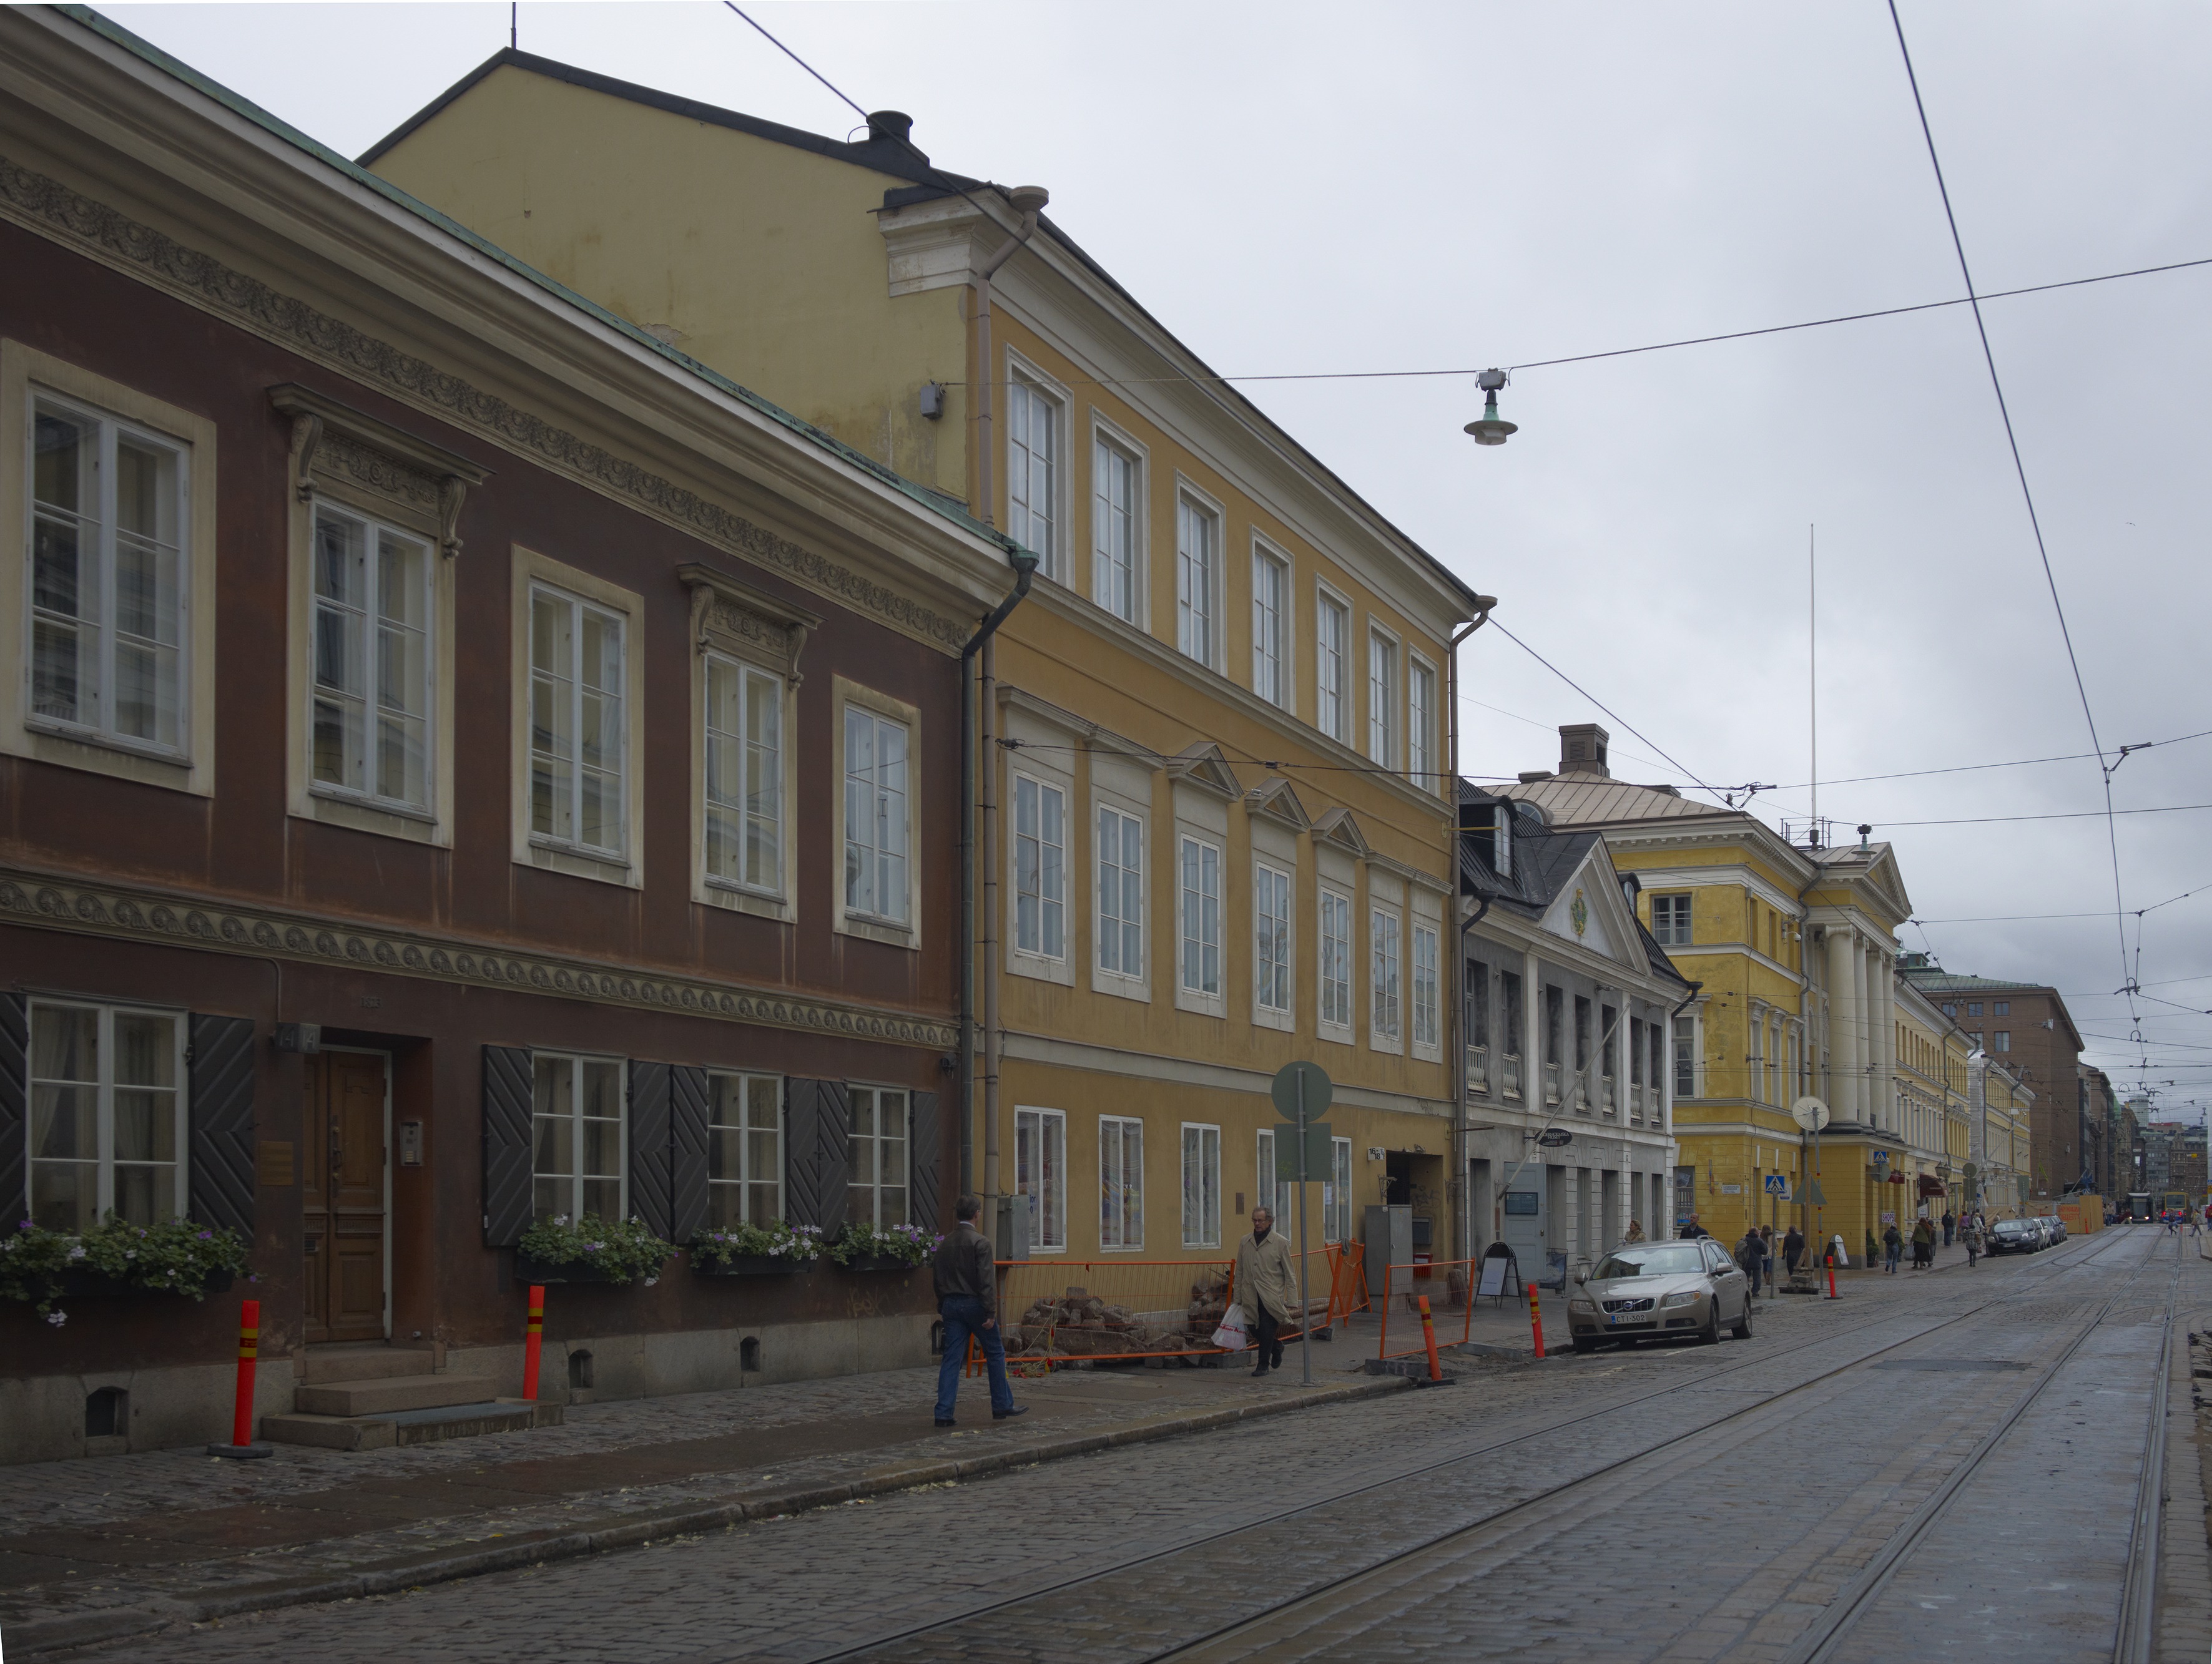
751,1265
97,1285
879,1262
528,1271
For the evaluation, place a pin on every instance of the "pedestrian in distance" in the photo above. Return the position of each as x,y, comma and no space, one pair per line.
967,1282
1793,1249
1635,1231
1751,1255
1267,1287
1948,1222
1766,1257
1923,1246
1970,1238
1893,1247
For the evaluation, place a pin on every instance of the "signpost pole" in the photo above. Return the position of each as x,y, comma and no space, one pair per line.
1306,1310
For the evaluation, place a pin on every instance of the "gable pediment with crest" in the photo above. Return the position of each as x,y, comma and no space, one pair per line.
1589,910
1278,801
1203,764
1341,828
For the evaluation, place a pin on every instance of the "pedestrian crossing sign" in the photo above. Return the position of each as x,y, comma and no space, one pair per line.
1777,1184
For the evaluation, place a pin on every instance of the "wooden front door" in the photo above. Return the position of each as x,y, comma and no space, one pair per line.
344,1184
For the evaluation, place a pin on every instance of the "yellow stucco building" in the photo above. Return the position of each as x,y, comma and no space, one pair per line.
1216,835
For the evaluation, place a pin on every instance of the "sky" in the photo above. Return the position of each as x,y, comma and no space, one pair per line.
1293,188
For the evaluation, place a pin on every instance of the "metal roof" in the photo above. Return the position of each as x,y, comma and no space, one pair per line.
1580,800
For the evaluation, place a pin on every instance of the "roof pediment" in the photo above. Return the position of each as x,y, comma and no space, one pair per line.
1277,800
1589,910
1340,827
1203,764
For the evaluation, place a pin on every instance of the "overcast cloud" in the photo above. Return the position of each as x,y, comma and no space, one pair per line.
1302,188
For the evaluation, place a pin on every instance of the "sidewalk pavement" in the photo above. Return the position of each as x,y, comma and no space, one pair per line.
107,1547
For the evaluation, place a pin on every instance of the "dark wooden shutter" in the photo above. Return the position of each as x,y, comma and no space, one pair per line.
648,1145
221,1085
687,1152
926,1159
507,1166
818,1153
14,1098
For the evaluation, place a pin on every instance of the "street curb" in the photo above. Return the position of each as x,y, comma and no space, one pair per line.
397,1575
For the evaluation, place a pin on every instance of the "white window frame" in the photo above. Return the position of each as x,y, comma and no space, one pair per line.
902,929
1037,518
26,375
1038,889
565,686
1274,971
1201,1185
1386,970
532,571
1198,580
1336,1195
1111,570
876,1184
105,1085
1121,1157
1688,1029
1192,919
576,1177
1385,693
1332,664
1119,922
1426,1037
1272,622
374,528
1333,940
753,681
1674,930
1040,1134
746,1181
1421,684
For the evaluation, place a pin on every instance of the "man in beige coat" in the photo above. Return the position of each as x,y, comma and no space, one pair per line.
1266,1286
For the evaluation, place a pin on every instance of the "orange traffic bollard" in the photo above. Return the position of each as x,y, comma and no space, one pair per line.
1832,1294
1429,1337
1535,1320
533,1341
241,1443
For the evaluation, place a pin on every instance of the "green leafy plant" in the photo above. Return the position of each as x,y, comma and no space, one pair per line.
910,1245
777,1240
623,1249
175,1256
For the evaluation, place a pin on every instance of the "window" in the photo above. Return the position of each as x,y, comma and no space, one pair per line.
1271,591
1331,696
1554,1020
2001,1008
1120,893
2004,1038
107,1115
1975,1009
1335,959
1041,1174
1950,1010
875,1184
1382,699
1421,704
1670,920
1509,997
1382,937
580,1162
1478,1002
371,659
1121,1182
875,815
1336,1197
1201,1186
744,1150
1424,987
745,776
1115,519
1201,917
1198,539
1271,947
109,576
1686,1057
577,749
1040,868
1582,1034
1032,472
1636,1051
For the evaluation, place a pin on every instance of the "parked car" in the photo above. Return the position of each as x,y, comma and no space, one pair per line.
2014,1237
2057,1227
1661,1290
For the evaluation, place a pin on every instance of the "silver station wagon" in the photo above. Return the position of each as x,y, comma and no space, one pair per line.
1660,1290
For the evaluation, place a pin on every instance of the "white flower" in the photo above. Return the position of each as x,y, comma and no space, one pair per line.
76,1252
58,1318
131,1254
650,1281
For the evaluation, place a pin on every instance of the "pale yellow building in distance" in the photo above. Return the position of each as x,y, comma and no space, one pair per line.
1934,1119
1217,747
2000,1108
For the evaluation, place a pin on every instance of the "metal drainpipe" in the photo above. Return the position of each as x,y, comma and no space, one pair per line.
1459,1022
1029,200
1456,1058
1025,565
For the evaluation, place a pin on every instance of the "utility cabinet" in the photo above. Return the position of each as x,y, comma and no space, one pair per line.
1389,1240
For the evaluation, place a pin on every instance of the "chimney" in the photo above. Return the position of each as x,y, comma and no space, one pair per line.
1582,750
891,124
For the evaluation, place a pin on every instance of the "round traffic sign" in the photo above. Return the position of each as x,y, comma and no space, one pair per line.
1318,1089
1810,1114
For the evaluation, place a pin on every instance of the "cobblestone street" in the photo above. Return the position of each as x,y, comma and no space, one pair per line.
1942,1465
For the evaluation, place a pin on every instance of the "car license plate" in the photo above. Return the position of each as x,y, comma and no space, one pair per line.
1622,1317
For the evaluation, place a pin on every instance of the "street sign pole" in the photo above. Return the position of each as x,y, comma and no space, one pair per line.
1305,1313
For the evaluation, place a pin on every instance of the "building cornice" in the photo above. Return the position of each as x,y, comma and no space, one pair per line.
178,918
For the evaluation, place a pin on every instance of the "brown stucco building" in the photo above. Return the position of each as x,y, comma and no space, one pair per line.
458,760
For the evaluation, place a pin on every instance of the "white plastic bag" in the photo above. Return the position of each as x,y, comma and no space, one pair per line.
1231,1336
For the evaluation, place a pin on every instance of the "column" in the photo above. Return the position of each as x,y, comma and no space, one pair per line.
1885,1034
1532,1056
1844,1023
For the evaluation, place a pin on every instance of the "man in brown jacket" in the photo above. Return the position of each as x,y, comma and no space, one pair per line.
967,1281
1266,1286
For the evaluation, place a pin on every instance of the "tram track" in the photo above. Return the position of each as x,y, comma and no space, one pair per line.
900,1641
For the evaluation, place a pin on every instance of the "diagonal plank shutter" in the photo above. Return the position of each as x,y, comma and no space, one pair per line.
14,1100
687,1152
221,1083
816,1133
507,1170
925,1156
648,1145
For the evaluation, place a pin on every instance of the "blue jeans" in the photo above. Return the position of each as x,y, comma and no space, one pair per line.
964,1316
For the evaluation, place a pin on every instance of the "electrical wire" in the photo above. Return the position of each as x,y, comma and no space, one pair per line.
797,59
1594,700
1970,767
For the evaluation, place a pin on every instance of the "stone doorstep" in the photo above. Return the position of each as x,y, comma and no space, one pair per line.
410,1571
390,1394
425,1426
318,1365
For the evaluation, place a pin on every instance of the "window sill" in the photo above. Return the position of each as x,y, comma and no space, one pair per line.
1335,1035
872,930
1039,968
603,869
1121,988
76,747
1387,1045
731,899
333,809
1265,1017
1200,1005
1428,1053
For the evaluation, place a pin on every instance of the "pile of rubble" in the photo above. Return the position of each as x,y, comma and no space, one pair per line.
1080,1325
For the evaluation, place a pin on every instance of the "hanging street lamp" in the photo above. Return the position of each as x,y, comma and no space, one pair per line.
1489,430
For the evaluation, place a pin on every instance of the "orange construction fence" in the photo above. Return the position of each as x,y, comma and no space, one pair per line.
1448,1283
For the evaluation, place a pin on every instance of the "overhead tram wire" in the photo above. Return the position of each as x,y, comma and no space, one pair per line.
2019,468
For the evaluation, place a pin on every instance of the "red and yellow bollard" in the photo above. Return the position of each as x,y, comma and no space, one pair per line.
1429,1339
242,1416
1535,1320
533,1340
